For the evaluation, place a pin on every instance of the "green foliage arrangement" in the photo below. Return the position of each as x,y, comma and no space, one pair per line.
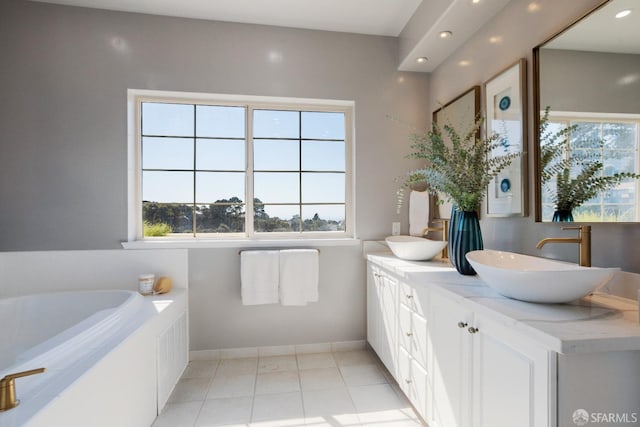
463,169
156,230
571,192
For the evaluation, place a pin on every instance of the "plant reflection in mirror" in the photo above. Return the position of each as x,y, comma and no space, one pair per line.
570,170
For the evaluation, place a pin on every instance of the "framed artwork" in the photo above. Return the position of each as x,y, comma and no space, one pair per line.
506,116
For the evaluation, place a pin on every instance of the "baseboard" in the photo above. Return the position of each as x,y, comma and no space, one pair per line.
282,350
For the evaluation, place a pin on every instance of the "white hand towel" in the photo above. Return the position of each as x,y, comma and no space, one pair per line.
299,269
259,273
418,212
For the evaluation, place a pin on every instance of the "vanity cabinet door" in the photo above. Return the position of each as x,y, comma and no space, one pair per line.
373,310
450,361
483,374
511,378
382,315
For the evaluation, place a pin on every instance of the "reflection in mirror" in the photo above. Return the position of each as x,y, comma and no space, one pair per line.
588,76
461,114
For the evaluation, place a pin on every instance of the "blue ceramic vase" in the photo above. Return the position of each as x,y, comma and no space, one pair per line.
464,236
562,216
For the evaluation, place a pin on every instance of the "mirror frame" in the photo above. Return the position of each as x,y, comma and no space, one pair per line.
476,91
537,190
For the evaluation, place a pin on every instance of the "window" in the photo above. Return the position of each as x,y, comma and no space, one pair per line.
618,153
206,162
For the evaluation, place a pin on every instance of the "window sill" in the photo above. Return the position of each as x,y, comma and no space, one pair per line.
239,243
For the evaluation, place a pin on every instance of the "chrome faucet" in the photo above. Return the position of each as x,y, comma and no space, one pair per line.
445,234
583,240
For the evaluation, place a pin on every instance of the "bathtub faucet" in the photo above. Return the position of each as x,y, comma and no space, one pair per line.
8,389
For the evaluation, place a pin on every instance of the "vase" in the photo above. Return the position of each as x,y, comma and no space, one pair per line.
452,225
465,236
562,216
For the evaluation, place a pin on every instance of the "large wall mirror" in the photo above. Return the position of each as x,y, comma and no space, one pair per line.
588,76
461,113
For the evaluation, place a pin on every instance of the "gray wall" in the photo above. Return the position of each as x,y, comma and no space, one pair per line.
64,76
519,30
589,81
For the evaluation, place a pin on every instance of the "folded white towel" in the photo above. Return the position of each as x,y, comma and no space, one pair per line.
259,274
418,212
299,269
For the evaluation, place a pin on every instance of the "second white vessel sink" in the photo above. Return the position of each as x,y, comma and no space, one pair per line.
534,279
414,248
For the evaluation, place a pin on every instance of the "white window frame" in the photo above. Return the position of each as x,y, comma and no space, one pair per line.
135,237
573,116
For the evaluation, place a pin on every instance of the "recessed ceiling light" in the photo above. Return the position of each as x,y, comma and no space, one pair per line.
464,63
495,39
623,13
534,6
421,60
475,1
445,34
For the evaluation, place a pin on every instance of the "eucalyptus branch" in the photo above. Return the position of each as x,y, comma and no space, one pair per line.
462,169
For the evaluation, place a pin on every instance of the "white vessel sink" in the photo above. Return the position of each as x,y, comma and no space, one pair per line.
414,248
534,279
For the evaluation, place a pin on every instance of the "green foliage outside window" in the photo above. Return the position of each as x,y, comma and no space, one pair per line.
224,216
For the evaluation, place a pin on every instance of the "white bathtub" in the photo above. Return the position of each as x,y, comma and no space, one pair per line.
83,339
46,329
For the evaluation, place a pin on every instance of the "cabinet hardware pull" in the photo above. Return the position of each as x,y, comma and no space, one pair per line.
473,330
409,296
409,334
408,381
462,324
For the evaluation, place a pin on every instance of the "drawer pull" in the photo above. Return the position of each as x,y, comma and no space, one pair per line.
462,325
473,330
409,296
408,381
409,334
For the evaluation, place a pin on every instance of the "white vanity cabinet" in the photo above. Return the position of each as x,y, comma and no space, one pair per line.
466,356
382,315
483,373
459,368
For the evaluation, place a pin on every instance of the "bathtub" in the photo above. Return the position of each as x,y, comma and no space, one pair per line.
47,328
86,340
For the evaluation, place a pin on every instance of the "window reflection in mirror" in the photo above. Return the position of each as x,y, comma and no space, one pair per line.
611,141
589,77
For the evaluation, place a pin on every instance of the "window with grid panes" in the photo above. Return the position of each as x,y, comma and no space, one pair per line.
204,165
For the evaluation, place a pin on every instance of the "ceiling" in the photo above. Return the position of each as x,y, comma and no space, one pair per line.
603,32
417,23
387,18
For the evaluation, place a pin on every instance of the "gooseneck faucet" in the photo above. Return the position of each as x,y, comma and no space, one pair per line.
583,240
445,234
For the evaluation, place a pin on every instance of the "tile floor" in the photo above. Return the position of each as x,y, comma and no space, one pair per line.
349,389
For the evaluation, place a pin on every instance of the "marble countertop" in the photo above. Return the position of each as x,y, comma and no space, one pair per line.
600,322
